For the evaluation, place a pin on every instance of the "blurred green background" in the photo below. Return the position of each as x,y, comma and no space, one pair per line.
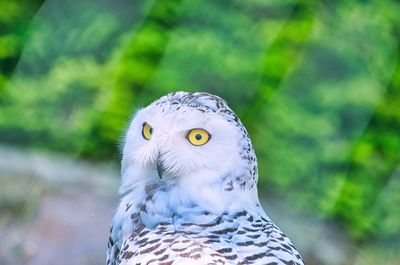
317,84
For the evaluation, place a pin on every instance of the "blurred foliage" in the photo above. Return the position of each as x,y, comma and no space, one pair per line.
317,83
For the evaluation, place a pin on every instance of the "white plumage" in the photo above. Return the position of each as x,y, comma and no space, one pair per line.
189,176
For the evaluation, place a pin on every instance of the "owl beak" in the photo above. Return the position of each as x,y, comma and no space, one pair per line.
160,167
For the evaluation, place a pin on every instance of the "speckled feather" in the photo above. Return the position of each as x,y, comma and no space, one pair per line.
199,214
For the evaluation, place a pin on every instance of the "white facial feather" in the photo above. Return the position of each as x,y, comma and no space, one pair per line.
201,172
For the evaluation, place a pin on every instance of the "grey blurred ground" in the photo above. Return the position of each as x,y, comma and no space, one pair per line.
54,210
57,210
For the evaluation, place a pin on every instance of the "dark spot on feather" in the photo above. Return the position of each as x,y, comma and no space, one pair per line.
127,254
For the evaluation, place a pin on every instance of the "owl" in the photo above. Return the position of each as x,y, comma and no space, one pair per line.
189,190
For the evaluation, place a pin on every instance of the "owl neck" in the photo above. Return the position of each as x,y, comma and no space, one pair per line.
204,191
166,201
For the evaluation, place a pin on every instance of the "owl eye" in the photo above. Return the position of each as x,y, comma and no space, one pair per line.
198,137
147,131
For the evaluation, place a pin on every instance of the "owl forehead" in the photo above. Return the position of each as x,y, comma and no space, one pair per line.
172,116
199,100
195,104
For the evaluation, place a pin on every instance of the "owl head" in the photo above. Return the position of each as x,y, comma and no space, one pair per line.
189,139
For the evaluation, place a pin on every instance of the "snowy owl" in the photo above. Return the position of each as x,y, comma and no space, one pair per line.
189,175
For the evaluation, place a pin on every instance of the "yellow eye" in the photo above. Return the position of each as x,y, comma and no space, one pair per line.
198,137
147,131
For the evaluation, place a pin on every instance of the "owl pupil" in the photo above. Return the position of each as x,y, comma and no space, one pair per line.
151,130
198,136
